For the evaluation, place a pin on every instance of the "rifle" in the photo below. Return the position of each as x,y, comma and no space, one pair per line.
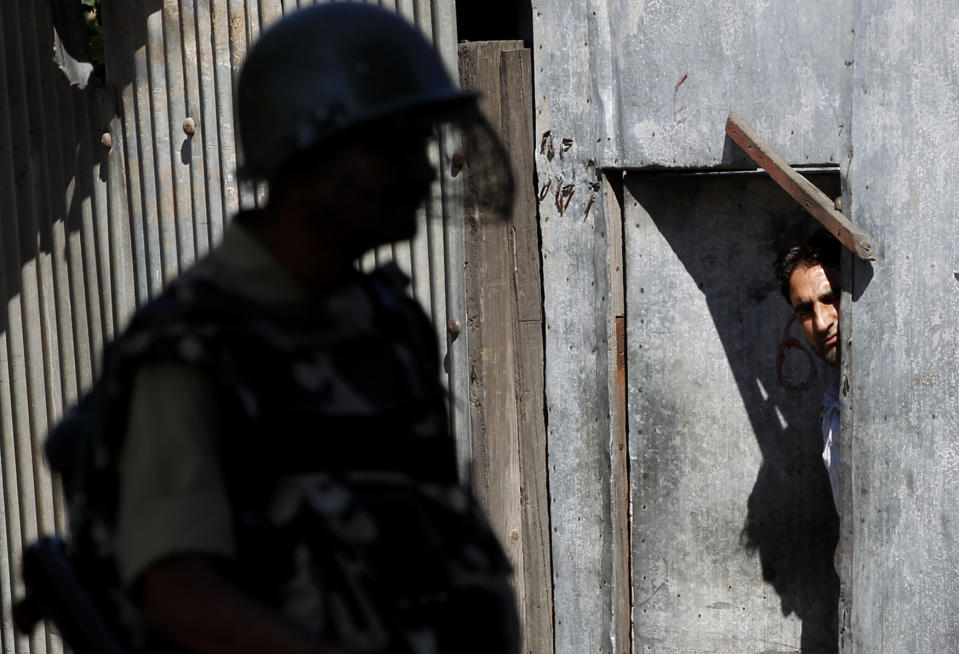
55,593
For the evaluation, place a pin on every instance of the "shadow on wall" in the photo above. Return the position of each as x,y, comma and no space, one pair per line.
49,180
726,231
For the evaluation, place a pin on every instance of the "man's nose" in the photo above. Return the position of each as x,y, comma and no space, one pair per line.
823,317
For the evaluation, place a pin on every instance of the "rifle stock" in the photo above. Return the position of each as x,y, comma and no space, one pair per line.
55,593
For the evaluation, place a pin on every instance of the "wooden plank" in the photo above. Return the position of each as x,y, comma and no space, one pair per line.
485,267
517,132
505,342
488,274
517,135
534,495
491,314
801,189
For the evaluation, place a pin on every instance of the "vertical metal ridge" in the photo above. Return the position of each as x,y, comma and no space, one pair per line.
87,240
29,409
93,257
435,250
175,94
145,154
430,243
406,9
166,218
47,327
191,154
454,248
270,12
431,249
9,260
122,55
223,53
418,258
424,22
238,44
94,234
208,138
123,263
101,225
253,27
42,368
253,194
73,254
8,463
56,223
8,635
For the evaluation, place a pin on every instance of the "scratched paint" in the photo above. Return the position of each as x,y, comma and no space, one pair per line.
678,118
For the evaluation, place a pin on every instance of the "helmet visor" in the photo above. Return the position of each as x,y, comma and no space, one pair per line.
479,158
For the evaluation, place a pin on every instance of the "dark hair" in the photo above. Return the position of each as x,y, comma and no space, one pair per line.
821,248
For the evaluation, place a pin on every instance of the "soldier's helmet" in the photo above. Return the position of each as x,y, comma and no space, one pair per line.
321,72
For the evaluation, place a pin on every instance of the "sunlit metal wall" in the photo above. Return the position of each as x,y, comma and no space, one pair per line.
106,193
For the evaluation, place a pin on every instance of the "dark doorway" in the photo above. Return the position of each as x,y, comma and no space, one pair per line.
495,20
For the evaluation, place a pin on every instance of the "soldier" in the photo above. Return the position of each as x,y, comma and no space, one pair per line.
272,469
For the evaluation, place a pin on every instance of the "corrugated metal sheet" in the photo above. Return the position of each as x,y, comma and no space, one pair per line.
177,63
89,231
60,229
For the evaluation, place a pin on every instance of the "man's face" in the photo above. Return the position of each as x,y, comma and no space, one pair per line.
814,293
373,188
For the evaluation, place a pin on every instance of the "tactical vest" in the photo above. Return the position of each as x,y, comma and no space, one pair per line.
337,460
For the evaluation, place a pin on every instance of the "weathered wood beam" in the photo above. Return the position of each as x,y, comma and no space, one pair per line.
504,328
801,189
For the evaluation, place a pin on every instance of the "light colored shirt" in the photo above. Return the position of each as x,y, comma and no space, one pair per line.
830,437
172,499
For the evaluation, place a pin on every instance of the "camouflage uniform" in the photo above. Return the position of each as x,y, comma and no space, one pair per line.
303,441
